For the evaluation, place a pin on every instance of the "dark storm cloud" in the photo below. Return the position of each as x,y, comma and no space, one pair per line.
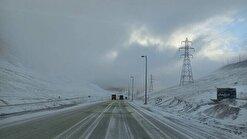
90,39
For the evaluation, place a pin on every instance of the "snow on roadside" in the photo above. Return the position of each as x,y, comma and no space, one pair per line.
194,101
23,90
30,116
185,122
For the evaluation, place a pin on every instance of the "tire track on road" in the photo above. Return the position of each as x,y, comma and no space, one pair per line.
77,130
92,128
165,131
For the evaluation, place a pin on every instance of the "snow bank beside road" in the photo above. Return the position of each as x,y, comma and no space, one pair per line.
22,90
194,101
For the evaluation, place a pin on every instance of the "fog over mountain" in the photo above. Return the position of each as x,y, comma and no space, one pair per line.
102,40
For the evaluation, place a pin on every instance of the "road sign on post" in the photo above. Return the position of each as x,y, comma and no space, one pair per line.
223,93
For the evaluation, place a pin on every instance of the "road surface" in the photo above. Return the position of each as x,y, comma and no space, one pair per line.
106,120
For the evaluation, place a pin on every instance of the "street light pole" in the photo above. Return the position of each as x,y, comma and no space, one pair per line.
129,91
132,83
146,80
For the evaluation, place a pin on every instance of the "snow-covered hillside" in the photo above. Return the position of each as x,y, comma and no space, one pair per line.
193,101
22,89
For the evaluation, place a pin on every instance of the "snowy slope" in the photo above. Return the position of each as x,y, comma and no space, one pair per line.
22,89
194,101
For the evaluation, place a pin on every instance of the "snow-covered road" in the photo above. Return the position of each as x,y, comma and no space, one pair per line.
105,120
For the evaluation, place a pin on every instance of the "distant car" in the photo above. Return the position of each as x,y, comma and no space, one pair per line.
113,96
121,97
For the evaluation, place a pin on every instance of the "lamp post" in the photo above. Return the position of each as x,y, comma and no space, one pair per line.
129,91
146,80
132,84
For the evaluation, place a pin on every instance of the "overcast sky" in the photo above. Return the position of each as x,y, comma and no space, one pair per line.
102,40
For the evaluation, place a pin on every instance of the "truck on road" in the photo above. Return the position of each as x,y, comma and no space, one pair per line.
121,97
113,96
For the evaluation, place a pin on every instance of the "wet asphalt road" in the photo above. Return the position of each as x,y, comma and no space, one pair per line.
106,120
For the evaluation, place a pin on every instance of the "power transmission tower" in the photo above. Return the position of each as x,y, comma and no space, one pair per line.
151,87
186,74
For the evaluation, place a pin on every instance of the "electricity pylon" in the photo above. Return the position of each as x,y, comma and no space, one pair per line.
186,74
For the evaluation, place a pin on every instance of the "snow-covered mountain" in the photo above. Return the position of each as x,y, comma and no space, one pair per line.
20,86
193,101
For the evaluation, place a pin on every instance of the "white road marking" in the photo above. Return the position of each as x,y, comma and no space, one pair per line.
73,129
152,124
173,128
123,131
92,127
